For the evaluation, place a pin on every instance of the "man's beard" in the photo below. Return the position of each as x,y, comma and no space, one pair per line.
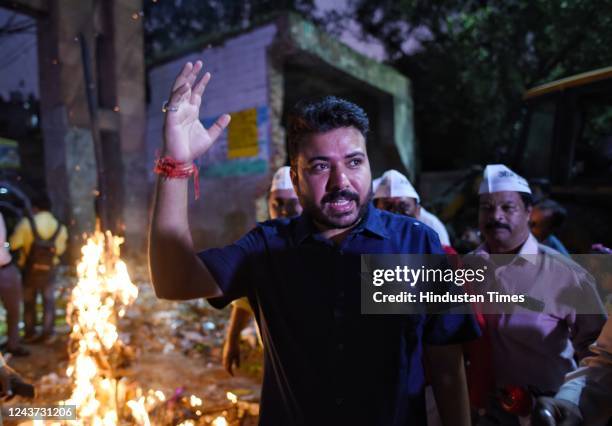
315,210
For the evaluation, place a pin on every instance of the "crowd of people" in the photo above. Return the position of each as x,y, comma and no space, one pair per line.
509,219
37,242
327,363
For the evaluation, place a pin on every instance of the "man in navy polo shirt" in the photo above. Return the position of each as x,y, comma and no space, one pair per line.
325,362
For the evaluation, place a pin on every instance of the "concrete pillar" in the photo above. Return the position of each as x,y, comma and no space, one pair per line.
69,159
114,35
130,78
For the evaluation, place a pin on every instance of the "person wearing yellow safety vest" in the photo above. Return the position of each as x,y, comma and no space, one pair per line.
48,236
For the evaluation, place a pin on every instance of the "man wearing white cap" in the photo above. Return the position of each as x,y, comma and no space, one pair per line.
394,192
282,202
533,345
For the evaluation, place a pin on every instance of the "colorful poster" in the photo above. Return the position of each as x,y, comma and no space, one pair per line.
242,140
243,149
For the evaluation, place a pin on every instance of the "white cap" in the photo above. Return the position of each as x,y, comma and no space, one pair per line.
375,184
498,178
282,179
394,184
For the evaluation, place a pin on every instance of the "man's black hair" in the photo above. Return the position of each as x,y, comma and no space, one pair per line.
559,214
527,199
320,116
41,201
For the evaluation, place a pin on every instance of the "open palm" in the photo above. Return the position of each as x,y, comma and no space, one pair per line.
185,138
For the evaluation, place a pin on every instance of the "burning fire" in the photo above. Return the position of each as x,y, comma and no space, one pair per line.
103,292
101,296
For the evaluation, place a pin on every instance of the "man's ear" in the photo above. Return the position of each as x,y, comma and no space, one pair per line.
418,212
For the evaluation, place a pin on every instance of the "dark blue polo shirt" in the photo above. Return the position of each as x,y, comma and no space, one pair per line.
325,362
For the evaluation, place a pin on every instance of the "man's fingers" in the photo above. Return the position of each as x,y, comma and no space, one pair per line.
183,76
220,125
191,78
179,94
198,89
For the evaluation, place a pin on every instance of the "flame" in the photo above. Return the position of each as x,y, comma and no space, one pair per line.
101,296
232,397
219,421
139,411
195,401
102,293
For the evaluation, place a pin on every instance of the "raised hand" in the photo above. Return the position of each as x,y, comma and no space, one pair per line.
185,138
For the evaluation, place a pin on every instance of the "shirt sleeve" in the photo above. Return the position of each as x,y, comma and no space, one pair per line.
21,239
60,243
450,329
589,317
17,239
232,266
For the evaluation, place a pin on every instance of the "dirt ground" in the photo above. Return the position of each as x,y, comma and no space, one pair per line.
175,347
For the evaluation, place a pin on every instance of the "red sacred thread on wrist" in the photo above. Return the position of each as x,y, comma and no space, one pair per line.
171,169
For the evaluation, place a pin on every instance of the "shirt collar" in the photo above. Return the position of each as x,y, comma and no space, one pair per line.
528,250
371,222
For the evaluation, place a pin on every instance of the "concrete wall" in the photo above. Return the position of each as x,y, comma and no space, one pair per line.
226,208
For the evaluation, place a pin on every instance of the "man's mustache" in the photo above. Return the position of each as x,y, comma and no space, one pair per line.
343,193
496,225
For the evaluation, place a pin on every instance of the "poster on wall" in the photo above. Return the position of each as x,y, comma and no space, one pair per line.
243,149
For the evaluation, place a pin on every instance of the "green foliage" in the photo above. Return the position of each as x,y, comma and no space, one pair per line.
474,60
171,24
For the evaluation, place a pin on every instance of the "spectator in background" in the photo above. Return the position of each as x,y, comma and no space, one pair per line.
40,250
532,348
394,192
11,296
547,218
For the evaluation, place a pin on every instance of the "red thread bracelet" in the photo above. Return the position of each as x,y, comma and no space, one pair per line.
170,168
